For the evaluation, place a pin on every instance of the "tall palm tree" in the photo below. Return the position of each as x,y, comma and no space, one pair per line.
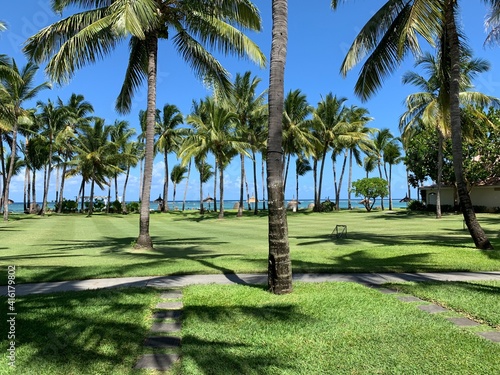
249,107
16,87
302,166
177,175
392,32
121,135
329,121
206,174
392,156
214,131
135,152
430,107
279,279
79,110
296,128
381,141
87,36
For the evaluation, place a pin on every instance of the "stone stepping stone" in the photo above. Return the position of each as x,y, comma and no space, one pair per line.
387,291
409,299
164,342
167,314
173,294
463,322
432,308
173,305
492,336
166,327
160,362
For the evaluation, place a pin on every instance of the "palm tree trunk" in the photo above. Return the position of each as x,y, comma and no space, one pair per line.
286,171
32,207
349,182
164,206
242,177
248,194
315,180
263,187
109,197
26,197
116,187
61,189
255,188
91,199
202,208
279,279
144,239
477,233
335,187
215,187
390,190
337,197
186,188
380,174
317,204
221,191
81,194
10,173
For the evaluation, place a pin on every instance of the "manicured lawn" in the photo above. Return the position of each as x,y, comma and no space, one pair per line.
478,300
67,247
321,328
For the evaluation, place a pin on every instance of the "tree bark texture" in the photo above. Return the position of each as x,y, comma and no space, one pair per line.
279,262
477,233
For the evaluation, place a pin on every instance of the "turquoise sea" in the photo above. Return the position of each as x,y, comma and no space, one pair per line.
17,207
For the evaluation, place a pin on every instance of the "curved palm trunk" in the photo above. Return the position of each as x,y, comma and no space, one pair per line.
32,207
337,194
116,187
61,189
109,197
164,206
202,208
349,182
215,187
242,178
286,171
315,181
317,203
46,181
255,188
477,233
10,174
91,199
279,279
144,239
381,197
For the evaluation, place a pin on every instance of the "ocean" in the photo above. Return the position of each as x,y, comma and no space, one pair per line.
230,204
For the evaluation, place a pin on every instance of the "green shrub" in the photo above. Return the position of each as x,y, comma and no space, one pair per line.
133,207
115,207
416,206
327,206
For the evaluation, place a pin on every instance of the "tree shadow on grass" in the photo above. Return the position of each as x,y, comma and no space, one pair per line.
237,357
81,332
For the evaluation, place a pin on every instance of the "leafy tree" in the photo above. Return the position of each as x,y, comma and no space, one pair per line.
302,166
84,37
279,263
176,176
392,32
370,189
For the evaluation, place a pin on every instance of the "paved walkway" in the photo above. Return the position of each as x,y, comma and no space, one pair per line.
184,280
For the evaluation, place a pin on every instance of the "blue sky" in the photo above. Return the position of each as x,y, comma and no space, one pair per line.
318,41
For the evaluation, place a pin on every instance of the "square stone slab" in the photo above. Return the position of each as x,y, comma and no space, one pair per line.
409,299
463,322
160,362
432,308
167,314
173,305
166,327
173,294
492,336
387,290
163,342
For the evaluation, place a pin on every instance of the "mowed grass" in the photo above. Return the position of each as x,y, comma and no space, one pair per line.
478,300
321,328
68,247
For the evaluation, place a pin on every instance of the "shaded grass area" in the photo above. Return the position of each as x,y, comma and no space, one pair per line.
94,332
479,300
324,328
69,247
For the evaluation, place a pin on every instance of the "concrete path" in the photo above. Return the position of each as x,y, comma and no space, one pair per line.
184,280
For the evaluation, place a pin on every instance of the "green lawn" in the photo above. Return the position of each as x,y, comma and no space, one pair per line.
66,247
321,328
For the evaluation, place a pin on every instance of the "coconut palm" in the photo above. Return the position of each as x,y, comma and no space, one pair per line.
392,156
87,36
279,279
430,107
381,141
395,30
16,87
135,152
206,174
302,166
329,122
249,107
169,139
177,174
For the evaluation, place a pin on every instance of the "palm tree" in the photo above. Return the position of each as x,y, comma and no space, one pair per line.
169,140
206,174
302,166
79,110
214,131
249,108
382,140
177,175
134,151
392,32
279,279
16,87
296,128
330,125
392,156
89,35
430,107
